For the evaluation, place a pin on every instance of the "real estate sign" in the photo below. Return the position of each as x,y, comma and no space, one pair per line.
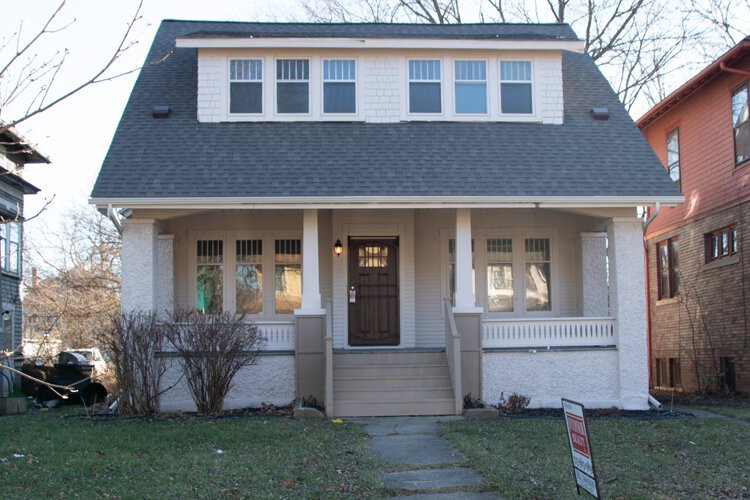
580,447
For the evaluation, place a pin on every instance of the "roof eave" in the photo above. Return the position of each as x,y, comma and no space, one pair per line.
377,43
18,182
353,202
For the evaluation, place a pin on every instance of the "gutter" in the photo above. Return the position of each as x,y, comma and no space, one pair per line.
647,223
736,71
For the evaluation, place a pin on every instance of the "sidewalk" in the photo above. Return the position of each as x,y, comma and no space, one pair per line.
426,465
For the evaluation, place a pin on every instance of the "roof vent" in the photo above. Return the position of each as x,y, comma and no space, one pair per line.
160,111
600,113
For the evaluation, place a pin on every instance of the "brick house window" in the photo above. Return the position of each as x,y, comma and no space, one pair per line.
721,244
668,373
741,124
667,268
673,155
727,375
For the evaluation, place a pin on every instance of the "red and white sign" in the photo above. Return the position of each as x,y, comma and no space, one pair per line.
580,447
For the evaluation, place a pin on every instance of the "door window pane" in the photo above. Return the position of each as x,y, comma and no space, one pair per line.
537,274
500,275
471,87
515,87
373,256
425,94
339,89
288,275
249,277
210,276
245,86
293,86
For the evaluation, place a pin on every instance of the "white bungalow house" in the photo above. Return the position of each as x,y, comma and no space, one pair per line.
410,213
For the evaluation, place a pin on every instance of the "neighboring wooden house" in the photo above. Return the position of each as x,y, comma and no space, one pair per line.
15,152
411,213
698,280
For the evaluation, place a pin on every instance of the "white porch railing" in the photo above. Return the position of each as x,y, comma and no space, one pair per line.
279,335
548,332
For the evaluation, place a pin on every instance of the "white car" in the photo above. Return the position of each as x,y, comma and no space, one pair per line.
93,357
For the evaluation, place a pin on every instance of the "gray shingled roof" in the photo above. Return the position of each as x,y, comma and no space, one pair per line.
180,157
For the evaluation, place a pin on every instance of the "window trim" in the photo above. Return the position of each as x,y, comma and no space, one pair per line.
407,96
534,98
678,163
486,81
673,289
6,243
746,87
733,243
310,79
229,237
323,82
262,87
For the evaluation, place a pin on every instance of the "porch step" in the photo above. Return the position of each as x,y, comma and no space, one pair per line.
391,384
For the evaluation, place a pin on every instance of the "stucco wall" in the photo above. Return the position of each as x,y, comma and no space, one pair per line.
270,381
590,377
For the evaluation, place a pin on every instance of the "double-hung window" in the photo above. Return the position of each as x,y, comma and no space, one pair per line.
516,87
667,268
537,274
741,124
673,155
293,86
288,276
425,93
500,275
10,246
209,296
721,244
471,87
339,86
246,86
249,277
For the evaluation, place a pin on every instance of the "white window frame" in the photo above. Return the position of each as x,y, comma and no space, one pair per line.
6,243
486,81
534,97
230,81
230,237
323,82
310,79
441,81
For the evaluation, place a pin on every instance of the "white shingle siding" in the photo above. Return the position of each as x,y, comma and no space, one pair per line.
381,86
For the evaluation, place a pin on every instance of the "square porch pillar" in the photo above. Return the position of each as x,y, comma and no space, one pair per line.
310,265
140,242
592,255
464,294
628,306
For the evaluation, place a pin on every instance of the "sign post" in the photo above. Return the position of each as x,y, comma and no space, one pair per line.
580,448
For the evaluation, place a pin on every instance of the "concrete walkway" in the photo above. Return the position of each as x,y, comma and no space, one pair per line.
427,464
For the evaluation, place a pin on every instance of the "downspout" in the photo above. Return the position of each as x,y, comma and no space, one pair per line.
115,220
647,223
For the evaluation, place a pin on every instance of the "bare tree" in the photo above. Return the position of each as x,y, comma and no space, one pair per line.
721,24
74,283
29,83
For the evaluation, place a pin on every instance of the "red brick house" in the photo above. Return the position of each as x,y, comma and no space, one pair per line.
698,279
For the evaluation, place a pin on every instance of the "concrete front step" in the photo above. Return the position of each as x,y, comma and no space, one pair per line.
404,370
357,408
393,395
356,382
388,358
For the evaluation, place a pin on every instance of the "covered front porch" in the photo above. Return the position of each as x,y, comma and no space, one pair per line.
420,306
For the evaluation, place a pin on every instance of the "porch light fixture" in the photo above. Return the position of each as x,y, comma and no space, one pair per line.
338,248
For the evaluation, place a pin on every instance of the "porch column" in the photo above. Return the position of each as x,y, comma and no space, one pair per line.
592,251
165,280
464,295
310,264
140,239
627,285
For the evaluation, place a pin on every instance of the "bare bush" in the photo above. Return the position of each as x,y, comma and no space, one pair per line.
213,348
132,340
516,403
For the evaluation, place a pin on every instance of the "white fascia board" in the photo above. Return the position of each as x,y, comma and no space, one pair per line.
377,43
355,202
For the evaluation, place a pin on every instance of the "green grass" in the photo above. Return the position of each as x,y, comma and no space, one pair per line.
680,458
263,458
729,411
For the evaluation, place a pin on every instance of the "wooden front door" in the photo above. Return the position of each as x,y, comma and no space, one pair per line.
373,292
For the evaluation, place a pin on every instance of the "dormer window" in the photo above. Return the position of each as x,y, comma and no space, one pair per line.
339,86
516,87
293,86
425,94
471,87
246,86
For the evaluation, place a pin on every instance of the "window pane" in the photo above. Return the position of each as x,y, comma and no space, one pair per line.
424,70
739,107
673,155
537,275
424,98
675,271
249,277
742,142
288,275
339,70
292,97
339,98
292,69
515,97
471,70
471,98
246,69
246,97
209,276
500,287
515,71
373,256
